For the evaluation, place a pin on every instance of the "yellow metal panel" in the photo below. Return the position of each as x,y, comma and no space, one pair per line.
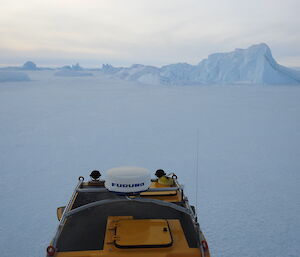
79,254
160,193
167,196
142,233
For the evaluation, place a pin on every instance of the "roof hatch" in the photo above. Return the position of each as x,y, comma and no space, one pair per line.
142,233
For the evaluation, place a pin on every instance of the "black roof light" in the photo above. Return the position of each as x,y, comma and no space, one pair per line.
159,173
95,175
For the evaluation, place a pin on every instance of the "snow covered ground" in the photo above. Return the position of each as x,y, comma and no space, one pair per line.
53,129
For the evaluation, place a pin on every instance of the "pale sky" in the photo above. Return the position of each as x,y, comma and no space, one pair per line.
155,32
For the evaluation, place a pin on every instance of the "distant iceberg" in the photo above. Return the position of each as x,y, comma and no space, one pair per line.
10,76
29,66
72,71
254,65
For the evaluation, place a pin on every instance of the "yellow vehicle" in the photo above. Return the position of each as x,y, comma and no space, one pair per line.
127,215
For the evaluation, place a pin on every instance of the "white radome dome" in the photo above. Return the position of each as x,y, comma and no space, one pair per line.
127,179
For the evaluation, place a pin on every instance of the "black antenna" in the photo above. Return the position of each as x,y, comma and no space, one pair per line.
197,169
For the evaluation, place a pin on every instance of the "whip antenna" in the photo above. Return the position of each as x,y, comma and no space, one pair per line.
197,168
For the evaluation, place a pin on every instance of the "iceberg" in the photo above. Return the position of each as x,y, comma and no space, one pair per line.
29,66
253,65
72,71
